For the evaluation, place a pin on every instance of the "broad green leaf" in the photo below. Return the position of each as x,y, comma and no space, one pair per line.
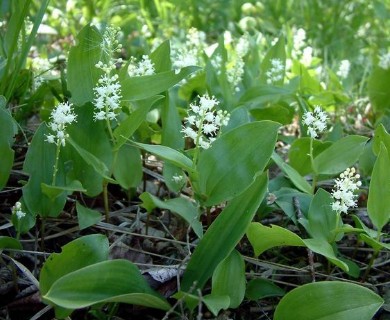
280,113
298,154
168,154
380,136
107,281
336,158
128,167
322,219
328,300
322,247
263,238
75,255
294,176
262,288
9,243
375,244
378,91
308,84
229,166
229,279
98,165
263,95
216,303
87,217
224,234
138,88
39,162
7,132
54,191
378,205
127,127
183,207
161,57
82,75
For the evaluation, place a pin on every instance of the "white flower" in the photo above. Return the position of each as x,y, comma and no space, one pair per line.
60,117
17,210
202,124
107,97
344,68
145,67
315,121
276,72
384,61
343,193
178,178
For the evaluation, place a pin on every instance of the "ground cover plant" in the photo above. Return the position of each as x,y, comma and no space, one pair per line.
194,160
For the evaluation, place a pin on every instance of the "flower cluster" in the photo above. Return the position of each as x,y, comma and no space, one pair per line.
315,121
110,43
60,117
190,53
344,68
17,210
235,65
108,96
343,193
145,67
205,120
384,61
276,72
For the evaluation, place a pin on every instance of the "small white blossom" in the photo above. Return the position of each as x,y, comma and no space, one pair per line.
60,117
107,97
276,72
344,68
178,178
315,121
307,56
144,67
203,123
384,61
344,191
17,210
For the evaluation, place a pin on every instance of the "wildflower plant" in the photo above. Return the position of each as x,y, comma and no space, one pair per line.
315,121
203,122
344,192
144,67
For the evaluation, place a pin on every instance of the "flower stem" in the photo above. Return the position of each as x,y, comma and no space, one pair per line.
314,180
55,170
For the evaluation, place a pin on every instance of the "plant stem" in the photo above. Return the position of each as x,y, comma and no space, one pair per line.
105,200
58,149
373,258
314,181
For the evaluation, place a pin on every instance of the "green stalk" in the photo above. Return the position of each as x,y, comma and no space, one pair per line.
314,182
373,258
58,149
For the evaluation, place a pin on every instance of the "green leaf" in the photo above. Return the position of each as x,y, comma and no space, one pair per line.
322,219
9,243
215,303
75,255
294,176
229,279
335,158
298,154
161,57
378,90
82,75
229,166
92,137
328,301
127,127
378,205
98,165
263,238
87,217
138,88
107,281
183,207
7,132
128,167
262,288
168,154
380,136
54,191
39,162
224,234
